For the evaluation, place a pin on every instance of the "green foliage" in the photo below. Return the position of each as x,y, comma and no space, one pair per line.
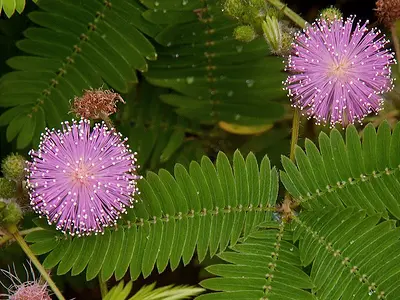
344,235
149,292
342,242
265,266
10,6
154,130
353,256
78,46
205,208
216,78
346,173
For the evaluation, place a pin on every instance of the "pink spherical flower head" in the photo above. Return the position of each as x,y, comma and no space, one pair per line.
82,179
338,71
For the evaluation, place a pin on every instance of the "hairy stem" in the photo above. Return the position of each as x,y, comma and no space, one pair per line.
288,12
396,42
8,237
103,287
17,236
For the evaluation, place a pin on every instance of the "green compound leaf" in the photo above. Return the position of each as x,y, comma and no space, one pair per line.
8,7
215,77
348,172
170,292
73,47
155,131
176,215
353,256
266,265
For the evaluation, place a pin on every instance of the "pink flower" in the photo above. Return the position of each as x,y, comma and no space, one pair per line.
82,179
338,71
28,290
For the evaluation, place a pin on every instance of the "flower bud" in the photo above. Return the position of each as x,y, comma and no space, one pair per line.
248,12
331,14
278,35
11,214
272,33
13,167
8,188
388,11
234,8
244,33
287,39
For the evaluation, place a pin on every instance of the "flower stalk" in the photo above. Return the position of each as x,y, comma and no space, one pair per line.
295,132
103,287
289,13
296,115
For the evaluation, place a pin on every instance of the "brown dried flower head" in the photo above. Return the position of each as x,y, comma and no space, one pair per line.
388,11
96,103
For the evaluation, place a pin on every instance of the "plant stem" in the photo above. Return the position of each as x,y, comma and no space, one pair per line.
8,237
17,236
396,42
107,120
287,204
295,132
103,287
288,12
296,116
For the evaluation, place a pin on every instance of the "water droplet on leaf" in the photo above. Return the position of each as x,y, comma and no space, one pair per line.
250,82
190,80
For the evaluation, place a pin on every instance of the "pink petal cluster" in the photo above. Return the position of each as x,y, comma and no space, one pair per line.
338,71
31,289
80,178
